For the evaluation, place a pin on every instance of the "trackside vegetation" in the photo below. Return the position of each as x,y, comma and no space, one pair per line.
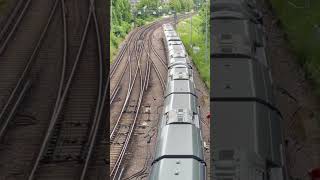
126,16
120,24
301,22
198,49
2,5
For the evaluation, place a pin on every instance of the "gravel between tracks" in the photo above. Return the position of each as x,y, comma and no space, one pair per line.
22,140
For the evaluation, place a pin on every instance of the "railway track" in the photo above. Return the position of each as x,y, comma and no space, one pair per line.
118,150
123,51
13,21
130,43
137,49
162,60
138,83
26,90
137,33
135,75
155,67
74,125
59,97
10,77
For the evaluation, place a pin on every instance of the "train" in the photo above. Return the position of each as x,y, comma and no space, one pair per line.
248,142
179,153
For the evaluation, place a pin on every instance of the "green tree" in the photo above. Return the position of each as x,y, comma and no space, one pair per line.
175,5
121,12
181,5
121,17
150,4
188,5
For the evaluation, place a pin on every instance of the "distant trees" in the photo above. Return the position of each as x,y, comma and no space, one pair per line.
150,4
181,5
121,17
177,5
121,11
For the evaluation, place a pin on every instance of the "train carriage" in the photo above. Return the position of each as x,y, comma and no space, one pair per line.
179,61
246,123
179,148
180,71
176,51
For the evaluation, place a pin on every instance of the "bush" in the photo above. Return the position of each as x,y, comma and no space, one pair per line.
140,22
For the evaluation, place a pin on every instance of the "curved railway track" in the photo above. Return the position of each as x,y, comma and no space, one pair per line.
123,51
138,49
140,60
124,130
63,113
117,165
16,95
132,38
163,61
66,139
12,23
30,97
118,151
153,63
135,36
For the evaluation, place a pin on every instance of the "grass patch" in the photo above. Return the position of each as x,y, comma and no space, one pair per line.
198,40
301,22
115,42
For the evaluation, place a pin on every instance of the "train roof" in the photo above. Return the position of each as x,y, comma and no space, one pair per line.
185,140
241,78
167,27
178,169
181,101
179,62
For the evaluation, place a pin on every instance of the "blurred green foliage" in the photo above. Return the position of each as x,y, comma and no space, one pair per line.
150,4
181,5
301,22
121,20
